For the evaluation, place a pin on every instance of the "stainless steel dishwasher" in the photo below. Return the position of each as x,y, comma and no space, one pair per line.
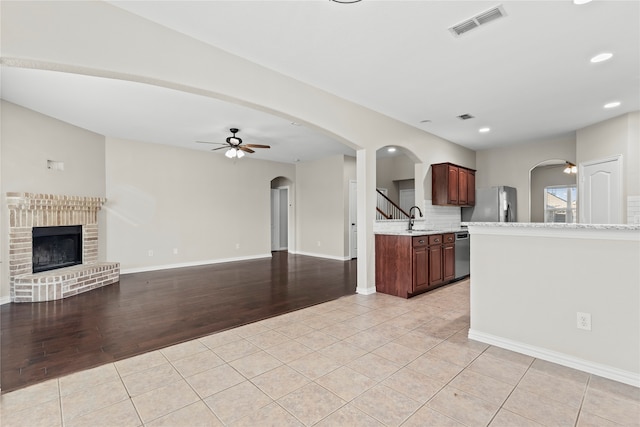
463,250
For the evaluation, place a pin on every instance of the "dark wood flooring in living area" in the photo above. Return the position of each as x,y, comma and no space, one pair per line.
149,311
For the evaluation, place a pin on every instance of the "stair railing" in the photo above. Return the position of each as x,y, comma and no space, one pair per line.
387,209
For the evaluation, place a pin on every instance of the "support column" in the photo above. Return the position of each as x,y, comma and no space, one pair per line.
366,174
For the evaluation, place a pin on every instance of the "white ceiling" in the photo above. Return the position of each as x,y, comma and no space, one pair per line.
527,76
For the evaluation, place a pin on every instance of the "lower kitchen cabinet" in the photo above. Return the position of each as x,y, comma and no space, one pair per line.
420,267
407,265
449,257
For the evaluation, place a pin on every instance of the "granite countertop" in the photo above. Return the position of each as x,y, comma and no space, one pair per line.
543,225
418,232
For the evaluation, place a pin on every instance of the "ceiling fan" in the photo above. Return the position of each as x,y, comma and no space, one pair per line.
234,145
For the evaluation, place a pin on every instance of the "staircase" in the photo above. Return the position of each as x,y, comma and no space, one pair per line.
386,209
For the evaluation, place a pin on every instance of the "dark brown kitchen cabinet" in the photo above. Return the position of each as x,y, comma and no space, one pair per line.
471,187
441,259
408,265
435,265
449,257
463,181
452,185
420,264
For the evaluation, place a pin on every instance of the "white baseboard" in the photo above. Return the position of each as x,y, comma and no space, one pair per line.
366,291
190,264
5,300
605,371
336,258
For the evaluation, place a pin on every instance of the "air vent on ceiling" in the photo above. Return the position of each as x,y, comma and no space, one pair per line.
465,116
478,20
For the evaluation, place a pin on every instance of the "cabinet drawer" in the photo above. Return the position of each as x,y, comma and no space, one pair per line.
449,238
435,239
420,241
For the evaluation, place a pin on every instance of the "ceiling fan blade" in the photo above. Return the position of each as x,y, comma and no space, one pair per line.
207,142
257,146
245,148
219,148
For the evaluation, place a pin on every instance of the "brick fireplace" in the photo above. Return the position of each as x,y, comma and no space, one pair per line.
28,210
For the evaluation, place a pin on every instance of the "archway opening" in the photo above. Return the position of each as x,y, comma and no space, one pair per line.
395,181
552,192
281,223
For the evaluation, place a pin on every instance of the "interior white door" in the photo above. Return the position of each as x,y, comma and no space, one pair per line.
600,191
353,210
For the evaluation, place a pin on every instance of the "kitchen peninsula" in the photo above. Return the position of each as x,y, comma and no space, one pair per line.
414,261
566,293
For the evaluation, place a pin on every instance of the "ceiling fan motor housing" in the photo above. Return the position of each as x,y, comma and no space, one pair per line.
234,140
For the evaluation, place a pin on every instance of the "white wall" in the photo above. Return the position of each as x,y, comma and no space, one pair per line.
208,207
27,141
511,165
349,174
322,209
530,303
619,135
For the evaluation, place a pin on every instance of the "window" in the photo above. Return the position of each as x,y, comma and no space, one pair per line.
560,203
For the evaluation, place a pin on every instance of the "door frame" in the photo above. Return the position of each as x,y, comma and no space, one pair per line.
353,219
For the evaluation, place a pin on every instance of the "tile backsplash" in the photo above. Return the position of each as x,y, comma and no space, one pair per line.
633,210
435,217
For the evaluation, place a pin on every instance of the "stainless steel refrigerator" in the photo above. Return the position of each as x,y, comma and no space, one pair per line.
495,204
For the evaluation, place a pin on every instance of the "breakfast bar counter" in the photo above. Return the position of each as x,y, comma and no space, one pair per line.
566,293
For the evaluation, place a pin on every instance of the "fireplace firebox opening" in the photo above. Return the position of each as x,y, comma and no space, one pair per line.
56,247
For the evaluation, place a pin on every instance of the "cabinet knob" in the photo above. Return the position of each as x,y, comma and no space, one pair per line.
436,240
420,241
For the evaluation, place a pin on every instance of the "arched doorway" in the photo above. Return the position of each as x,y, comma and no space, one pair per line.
552,192
395,177
280,216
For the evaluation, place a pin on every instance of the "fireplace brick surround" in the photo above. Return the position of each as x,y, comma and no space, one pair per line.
28,210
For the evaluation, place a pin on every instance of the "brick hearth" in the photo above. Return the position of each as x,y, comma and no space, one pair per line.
27,210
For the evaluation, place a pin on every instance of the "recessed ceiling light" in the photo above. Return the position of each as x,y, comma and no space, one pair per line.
612,104
579,2
295,123
425,121
484,130
601,57
391,149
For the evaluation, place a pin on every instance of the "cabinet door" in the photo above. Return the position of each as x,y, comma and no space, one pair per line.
449,261
462,186
471,188
452,185
435,265
420,268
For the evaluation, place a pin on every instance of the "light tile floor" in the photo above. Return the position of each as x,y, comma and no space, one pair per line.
361,360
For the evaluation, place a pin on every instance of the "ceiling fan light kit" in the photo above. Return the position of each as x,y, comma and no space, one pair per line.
235,147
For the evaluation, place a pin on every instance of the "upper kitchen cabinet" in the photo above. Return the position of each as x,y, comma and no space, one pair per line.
453,185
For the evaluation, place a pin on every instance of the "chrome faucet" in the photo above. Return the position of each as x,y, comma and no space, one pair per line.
411,216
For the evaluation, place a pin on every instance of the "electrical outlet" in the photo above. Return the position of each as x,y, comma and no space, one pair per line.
319,244
237,245
175,251
584,321
150,252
